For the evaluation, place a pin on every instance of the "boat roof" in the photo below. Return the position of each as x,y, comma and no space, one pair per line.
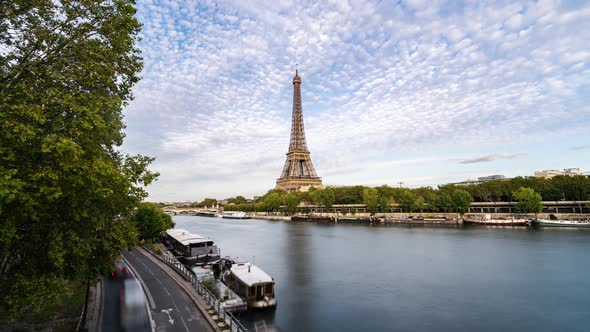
185,237
250,274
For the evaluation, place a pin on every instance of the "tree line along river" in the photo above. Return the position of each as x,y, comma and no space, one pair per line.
420,278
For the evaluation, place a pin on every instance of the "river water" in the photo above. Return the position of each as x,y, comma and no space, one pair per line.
396,278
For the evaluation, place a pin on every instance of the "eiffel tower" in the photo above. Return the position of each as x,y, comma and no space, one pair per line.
298,173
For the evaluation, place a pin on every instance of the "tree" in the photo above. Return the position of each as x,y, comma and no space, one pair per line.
407,201
420,204
384,203
237,200
327,197
291,201
461,201
66,72
528,200
371,199
208,202
272,202
443,202
150,221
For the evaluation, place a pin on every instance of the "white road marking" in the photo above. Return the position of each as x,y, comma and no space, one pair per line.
177,310
167,311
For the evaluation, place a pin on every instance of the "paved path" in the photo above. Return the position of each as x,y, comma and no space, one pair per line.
170,307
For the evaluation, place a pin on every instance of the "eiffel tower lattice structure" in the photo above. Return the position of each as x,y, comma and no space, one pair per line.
298,173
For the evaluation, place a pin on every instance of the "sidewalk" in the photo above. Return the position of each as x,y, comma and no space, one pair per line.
94,307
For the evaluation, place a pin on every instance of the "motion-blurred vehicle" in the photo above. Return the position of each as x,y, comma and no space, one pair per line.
119,270
133,307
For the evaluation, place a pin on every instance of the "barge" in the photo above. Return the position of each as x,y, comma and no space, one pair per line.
313,218
211,214
347,220
191,248
560,223
235,215
488,221
248,281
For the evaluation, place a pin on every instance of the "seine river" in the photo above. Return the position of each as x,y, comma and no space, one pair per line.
363,278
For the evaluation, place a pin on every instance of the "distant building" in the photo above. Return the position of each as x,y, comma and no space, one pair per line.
491,177
481,180
549,173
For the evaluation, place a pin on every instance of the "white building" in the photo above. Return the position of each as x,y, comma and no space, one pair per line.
549,173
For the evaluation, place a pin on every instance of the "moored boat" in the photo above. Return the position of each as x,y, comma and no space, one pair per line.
207,214
249,281
191,248
561,223
235,215
347,220
313,218
488,221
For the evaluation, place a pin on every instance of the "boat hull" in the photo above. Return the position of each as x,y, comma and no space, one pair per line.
560,223
313,219
496,222
262,304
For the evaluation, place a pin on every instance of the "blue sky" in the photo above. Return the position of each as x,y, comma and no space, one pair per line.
423,92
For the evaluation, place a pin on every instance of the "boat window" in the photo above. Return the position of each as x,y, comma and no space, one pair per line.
252,291
259,290
268,289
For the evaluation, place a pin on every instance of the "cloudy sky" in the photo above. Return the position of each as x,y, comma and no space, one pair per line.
421,92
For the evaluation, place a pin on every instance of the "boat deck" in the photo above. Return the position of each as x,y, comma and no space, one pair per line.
234,303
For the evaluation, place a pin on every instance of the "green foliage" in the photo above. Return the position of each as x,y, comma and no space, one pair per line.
461,201
237,200
210,284
66,190
420,203
447,198
528,200
384,203
407,201
327,197
272,202
371,199
443,202
347,195
150,221
208,202
291,201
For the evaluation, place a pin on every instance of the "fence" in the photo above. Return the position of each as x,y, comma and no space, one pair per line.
230,320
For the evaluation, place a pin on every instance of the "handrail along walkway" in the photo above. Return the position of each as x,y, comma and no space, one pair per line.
232,322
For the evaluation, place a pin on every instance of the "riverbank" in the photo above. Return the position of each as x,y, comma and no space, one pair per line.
417,218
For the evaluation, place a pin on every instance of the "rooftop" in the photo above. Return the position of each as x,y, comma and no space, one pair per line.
185,237
250,274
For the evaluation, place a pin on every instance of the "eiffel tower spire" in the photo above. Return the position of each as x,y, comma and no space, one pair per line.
298,173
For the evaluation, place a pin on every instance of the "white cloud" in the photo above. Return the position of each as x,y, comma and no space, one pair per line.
381,82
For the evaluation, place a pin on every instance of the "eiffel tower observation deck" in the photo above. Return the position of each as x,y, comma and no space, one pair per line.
298,173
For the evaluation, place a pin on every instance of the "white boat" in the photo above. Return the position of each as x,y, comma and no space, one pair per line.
235,215
191,248
561,223
247,280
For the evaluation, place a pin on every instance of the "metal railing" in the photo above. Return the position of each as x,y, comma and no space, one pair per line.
219,307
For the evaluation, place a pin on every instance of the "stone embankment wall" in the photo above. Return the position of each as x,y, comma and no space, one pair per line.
567,216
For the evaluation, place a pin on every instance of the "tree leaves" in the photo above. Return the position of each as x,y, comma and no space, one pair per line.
66,191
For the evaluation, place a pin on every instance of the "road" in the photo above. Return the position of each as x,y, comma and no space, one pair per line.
170,308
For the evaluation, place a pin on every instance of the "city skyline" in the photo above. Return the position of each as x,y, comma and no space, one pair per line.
420,92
